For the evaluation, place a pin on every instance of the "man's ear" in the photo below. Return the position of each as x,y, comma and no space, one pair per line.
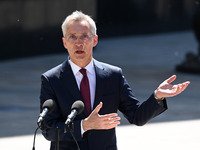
64,42
95,40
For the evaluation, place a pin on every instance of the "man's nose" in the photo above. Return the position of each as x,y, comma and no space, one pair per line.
79,41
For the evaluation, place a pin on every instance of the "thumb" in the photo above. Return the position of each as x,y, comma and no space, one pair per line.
97,109
171,79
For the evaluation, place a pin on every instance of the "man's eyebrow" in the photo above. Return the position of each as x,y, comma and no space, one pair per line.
81,33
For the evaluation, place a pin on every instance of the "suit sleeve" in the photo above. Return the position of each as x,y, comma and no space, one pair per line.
137,113
55,119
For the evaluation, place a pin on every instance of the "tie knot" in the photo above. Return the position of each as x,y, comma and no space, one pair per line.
83,71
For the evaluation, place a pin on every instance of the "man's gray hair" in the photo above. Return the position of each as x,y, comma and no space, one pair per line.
78,16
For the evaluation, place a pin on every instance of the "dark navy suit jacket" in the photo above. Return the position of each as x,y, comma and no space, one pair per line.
112,89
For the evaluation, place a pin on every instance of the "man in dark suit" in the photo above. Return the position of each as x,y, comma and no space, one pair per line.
105,92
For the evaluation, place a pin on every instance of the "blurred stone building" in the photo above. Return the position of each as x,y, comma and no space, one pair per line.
33,27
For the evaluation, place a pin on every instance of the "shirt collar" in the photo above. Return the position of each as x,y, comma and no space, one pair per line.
89,67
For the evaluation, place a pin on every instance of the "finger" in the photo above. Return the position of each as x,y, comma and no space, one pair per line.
178,89
184,85
171,79
111,125
114,119
187,83
108,116
97,109
181,87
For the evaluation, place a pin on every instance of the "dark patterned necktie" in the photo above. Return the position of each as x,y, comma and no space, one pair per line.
85,90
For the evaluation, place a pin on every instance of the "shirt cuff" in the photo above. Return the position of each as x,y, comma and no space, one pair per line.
158,99
82,131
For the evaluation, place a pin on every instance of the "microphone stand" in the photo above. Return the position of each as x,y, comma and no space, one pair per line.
33,148
57,135
57,138
70,127
41,127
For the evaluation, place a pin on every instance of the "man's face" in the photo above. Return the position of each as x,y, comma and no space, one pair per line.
79,42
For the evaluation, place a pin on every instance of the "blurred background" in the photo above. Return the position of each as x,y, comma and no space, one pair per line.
32,27
149,39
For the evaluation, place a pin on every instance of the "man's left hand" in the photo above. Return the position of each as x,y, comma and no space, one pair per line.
166,89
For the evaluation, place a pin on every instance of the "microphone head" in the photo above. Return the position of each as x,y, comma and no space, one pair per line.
50,104
78,105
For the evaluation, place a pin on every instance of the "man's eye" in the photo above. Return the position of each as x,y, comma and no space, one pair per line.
85,36
72,37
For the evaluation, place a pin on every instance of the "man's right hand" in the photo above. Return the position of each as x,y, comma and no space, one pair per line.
98,122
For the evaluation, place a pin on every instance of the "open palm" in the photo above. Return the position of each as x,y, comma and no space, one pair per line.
166,89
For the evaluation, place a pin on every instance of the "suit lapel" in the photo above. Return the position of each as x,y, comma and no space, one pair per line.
69,80
100,78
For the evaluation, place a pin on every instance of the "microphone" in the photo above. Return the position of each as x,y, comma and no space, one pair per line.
76,109
47,107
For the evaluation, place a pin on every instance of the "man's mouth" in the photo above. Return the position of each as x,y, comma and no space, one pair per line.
79,51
